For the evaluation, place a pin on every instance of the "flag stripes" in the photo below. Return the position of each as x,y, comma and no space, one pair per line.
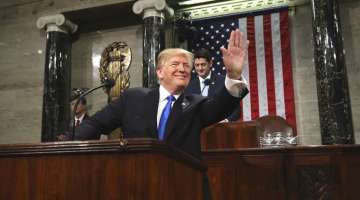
268,66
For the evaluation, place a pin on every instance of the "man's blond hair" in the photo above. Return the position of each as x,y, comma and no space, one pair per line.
166,54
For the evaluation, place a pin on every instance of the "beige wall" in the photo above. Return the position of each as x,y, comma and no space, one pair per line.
22,61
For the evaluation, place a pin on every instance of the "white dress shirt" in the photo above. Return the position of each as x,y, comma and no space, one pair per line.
163,94
81,118
204,89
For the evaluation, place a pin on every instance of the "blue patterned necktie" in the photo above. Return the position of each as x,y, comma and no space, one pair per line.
164,117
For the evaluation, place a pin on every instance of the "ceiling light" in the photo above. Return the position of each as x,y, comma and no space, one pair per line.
192,2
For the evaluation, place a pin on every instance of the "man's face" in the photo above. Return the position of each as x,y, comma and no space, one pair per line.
174,74
81,108
202,67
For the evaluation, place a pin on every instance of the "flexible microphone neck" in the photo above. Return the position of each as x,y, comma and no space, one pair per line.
108,83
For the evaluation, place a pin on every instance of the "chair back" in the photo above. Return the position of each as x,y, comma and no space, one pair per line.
271,124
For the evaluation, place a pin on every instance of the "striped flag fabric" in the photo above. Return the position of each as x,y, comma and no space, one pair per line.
268,67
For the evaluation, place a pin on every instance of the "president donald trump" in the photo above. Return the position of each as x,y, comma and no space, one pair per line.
165,112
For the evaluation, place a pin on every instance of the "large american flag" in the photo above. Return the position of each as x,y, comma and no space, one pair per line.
268,67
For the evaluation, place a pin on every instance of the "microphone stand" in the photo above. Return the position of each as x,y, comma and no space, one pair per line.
109,83
78,101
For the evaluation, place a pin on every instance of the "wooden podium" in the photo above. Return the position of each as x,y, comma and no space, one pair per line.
143,169
230,135
239,169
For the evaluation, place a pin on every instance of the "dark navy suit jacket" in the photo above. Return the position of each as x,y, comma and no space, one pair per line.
216,83
135,112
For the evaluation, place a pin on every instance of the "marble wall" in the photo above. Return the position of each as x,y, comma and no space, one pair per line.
308,125
86,60
350,14
307,112
21,82
22,62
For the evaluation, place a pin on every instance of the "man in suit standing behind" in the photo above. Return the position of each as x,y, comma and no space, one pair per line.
207,83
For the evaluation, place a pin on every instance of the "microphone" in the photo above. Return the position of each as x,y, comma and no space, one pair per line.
108,84
206,82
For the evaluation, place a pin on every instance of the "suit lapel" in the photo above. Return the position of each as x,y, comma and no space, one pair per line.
197,86
212,85
150,111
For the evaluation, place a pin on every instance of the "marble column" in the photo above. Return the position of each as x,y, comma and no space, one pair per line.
332,84
153,13
57,75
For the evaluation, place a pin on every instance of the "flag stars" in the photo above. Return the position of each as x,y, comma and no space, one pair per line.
201,28
222,35
207,43
227,30
202,38
233,24
212,37
218,52
217,41
217,31
207,33
212,48
212,27
197,44
222,25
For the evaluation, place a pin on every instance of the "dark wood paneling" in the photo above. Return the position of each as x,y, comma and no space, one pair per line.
294,173
349,167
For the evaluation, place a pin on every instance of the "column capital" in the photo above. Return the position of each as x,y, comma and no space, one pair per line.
56,22
151,8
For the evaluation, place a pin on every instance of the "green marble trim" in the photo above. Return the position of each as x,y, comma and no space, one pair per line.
237,7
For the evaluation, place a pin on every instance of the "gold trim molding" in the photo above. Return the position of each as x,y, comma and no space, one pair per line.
236,7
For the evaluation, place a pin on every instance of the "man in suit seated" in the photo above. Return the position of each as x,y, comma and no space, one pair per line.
207,83
80,113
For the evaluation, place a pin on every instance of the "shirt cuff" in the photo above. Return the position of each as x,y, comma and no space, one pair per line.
235,87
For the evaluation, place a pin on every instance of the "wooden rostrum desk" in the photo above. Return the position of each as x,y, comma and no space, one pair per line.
99,170
302,173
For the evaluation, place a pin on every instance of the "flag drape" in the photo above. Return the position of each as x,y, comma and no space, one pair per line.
268,67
